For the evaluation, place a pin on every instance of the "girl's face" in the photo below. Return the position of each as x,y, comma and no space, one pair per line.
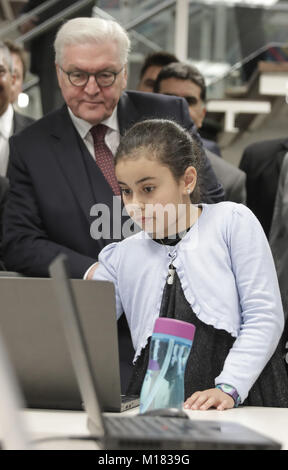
153,198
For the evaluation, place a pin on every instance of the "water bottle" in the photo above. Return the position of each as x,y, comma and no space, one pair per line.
163,385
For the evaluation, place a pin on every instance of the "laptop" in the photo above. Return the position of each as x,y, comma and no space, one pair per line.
34,337
14,435
138,432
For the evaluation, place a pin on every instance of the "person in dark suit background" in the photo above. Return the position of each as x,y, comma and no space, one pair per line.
54,167
10,123
181,79
278,239
266,167
262,162
20,65
41,49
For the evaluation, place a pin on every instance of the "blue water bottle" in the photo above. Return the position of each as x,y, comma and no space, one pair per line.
163,385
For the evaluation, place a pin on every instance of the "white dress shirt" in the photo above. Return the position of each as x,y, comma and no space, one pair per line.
112,137
6,130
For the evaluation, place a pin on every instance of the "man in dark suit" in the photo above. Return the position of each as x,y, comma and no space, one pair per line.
278,238
279,245
262,162
10,121
181,79
19,64
18,124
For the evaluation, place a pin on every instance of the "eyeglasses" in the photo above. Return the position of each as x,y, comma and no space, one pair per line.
3,71
81,78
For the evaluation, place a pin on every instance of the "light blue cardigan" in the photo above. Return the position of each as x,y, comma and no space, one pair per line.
227,274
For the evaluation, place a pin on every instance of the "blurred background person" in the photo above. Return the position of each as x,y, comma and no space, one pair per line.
185,80
151,67
19,65
278,239
11,121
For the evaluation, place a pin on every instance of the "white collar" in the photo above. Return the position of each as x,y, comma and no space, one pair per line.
6,122
83,127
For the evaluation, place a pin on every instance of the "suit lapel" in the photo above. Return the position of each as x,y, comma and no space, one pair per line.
20,122
127,113
67,152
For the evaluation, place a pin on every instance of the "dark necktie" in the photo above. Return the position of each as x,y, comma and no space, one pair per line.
104,157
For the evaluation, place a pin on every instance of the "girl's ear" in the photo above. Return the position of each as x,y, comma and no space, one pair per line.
190,179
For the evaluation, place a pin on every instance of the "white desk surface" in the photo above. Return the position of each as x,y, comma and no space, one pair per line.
272,422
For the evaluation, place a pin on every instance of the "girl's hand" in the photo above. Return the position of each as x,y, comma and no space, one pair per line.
209,398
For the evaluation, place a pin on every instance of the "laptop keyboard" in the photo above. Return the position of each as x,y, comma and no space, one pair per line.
143,432
147,425
128,398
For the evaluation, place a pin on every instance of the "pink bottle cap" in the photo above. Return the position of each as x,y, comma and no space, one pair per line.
170,326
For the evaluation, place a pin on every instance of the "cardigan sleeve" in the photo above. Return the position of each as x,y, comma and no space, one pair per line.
107,271
262,318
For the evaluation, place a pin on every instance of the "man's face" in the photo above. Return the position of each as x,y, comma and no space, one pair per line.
6,82
188,90
148,79
19,77
91,102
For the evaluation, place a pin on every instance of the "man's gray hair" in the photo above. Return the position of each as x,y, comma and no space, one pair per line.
91,30
6,56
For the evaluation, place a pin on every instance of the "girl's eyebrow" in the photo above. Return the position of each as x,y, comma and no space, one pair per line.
140,181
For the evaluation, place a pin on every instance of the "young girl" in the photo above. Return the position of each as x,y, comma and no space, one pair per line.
206,264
